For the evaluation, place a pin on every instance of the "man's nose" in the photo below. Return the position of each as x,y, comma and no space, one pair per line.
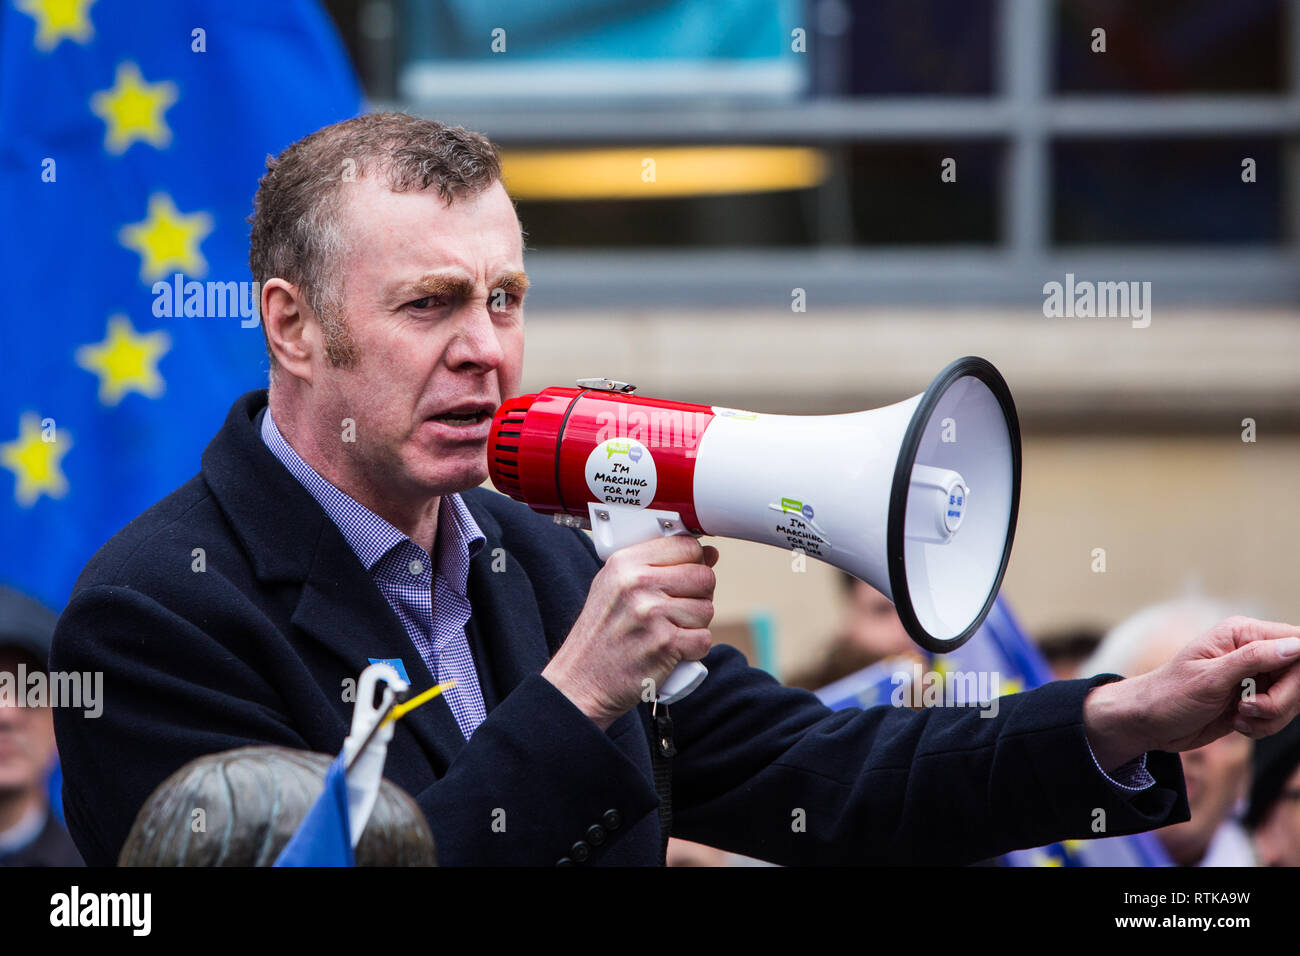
9,714
476,342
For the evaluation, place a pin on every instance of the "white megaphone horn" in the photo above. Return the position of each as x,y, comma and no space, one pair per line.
918,499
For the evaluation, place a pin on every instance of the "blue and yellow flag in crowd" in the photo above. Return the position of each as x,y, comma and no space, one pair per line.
132,137
1000,647
322,838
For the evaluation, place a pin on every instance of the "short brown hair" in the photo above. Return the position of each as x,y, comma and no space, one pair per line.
296,232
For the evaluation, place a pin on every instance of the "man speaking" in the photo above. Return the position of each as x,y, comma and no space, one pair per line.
341,522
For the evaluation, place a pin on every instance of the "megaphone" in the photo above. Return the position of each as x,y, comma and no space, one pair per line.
918,499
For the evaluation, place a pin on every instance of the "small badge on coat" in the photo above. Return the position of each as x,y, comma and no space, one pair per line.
395,663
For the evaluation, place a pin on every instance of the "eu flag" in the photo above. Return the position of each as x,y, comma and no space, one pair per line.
324,837
132,136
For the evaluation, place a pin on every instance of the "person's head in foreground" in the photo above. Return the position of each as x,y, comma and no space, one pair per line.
241,807
1217,774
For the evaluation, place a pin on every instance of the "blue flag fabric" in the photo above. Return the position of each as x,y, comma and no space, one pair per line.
1000,647
132,137
324,836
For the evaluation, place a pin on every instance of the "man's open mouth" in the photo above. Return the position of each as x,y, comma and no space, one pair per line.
463,417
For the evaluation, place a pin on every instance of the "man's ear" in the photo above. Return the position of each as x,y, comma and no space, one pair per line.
291,327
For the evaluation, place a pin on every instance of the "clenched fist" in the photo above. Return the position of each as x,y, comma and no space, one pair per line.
649,608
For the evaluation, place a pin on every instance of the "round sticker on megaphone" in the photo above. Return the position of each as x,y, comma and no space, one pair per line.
621,471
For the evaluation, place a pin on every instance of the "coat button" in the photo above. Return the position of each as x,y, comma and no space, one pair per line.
596,835
612,819
564,861
579,852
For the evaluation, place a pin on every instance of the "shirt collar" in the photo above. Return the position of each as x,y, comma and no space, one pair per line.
369,535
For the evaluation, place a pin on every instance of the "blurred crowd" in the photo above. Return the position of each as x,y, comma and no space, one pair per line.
1244,795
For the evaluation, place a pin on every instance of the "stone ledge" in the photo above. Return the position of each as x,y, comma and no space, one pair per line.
1189,369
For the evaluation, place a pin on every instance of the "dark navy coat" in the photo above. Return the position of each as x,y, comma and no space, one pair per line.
255,649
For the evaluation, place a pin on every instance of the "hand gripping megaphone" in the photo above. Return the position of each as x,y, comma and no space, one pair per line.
918,499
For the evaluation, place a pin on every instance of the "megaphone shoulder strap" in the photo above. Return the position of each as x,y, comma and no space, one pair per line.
662,751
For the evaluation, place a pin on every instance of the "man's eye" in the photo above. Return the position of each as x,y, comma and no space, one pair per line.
501,299
425,302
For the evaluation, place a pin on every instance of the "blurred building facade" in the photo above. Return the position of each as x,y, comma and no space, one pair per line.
813,207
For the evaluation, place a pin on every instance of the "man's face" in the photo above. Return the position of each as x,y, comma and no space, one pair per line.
1216,775
1277,840
26,733
433,302
872,625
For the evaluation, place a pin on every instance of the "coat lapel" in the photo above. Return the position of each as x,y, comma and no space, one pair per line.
342,608
289,538
509,636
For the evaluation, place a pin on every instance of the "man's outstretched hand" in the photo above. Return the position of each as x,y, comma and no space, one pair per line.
1241,675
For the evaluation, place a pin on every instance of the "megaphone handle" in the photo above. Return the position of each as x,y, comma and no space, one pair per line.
615,526
685,677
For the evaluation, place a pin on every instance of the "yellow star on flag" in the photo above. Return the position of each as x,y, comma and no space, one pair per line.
126,361
35,461
57,20
167,240
132,110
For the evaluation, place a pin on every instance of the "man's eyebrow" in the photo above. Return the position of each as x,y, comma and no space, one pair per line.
514,282
434,285
456,286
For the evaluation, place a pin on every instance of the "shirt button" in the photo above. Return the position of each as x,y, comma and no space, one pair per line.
579,852
564,861
416,567
596,835
612,819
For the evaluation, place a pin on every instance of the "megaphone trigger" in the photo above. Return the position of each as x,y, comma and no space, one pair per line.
616,526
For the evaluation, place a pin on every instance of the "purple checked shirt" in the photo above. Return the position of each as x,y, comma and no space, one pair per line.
431,603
